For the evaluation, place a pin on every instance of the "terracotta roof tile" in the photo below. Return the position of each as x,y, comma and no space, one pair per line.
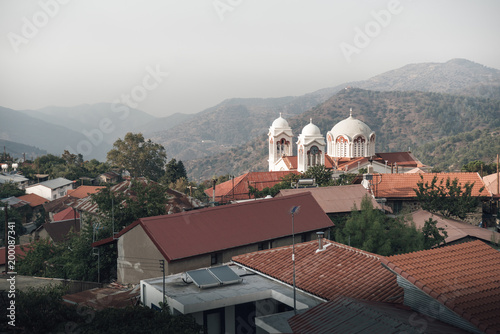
259,180
33,199
66,214
337,270
464,277
84,191
402,185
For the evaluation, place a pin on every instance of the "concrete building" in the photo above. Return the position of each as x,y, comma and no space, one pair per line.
51,189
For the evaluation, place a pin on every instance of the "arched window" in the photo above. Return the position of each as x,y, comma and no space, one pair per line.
359,147
281,147
342,150
313,156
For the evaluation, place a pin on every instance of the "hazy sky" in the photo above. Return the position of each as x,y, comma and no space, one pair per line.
66,53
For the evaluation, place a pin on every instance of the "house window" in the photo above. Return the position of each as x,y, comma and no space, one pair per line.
216,259
263,245
214,321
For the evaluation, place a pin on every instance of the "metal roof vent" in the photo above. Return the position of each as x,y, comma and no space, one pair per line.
320,240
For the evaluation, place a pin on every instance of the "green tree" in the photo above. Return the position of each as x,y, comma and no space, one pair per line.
13,216
433,235
449,198
479,167
10,189
174,171
37,259
41,310
371,230
142,200
322,175
139,157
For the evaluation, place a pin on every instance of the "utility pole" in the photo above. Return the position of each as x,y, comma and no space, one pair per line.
293,211
162,267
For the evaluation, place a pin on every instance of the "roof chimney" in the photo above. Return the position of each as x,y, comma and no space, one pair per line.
320,240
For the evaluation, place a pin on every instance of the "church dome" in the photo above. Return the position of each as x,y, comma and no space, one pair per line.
351,127
280,123
311,130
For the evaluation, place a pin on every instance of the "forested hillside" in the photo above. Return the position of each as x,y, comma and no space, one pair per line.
401,120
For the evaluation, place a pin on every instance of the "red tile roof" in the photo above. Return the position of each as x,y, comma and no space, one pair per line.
464,277
260,180
84,191
402,185
214,229
402,159
290,162
66,214
456,230
338,270
33,199
338,199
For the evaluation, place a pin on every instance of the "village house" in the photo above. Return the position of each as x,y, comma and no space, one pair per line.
58,230
336,201
51,189
211,236
397,190
238,188
458,232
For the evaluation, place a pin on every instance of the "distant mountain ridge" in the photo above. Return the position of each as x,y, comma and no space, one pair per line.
17,150
456,76
87,129
231,123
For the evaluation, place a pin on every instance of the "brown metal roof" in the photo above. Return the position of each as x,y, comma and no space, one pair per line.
214,229
456,230
346,315
337,199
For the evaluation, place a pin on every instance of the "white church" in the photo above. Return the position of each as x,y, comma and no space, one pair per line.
349,146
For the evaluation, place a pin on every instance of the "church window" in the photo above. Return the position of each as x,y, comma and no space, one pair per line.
359,147
313,156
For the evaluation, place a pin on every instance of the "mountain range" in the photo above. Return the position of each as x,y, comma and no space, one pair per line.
407,107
